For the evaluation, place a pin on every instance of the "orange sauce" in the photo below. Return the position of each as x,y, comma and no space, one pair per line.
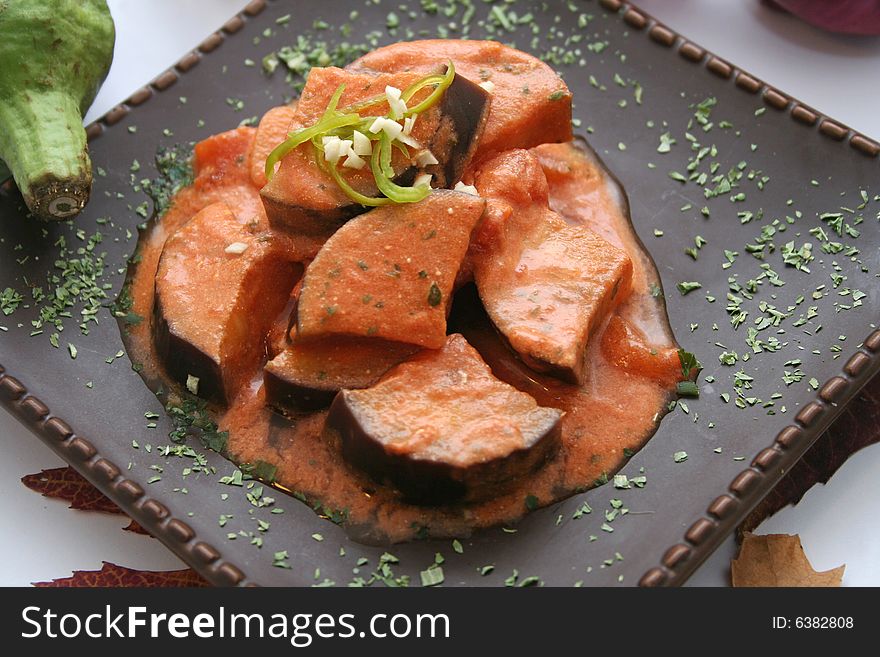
611,415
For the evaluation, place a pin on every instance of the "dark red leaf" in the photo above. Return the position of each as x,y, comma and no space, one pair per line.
113,575
69,485
846,16
857,427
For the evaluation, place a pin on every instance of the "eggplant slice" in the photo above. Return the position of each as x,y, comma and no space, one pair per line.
307,375
546,285
531,104
220,284
389,274
303,198
443,429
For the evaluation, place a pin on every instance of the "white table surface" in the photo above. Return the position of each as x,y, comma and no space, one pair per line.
828,72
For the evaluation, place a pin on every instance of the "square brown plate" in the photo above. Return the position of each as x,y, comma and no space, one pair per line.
638,81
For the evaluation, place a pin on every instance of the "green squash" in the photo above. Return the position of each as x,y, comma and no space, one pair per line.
54,54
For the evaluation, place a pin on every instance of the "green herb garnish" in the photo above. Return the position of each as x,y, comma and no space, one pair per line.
686,287
689,363
435,296
432,576
174,166
191,416
260,470
9,301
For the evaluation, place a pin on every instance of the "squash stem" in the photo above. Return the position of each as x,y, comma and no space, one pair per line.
43,143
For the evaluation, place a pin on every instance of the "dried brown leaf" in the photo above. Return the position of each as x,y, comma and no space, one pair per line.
135,528
778,560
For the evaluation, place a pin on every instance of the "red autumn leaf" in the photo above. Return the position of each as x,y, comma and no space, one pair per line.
858,426
69,485
113,575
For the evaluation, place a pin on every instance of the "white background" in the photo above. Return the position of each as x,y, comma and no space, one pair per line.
836,75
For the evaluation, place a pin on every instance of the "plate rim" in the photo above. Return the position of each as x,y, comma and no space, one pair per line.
702,535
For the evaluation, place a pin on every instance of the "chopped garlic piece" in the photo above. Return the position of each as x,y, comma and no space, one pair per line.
192,384
392,128
423,179
332,148
426,158
409,123
331,145
337,150
488,85
236,248
408,140
331,152
389,127
362,144
354,161
395,103
467,189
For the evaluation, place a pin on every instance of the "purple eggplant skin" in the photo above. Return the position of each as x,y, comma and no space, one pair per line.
464,110
466,106
287,216
306,377
183,359
212,309
432,483
288,395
